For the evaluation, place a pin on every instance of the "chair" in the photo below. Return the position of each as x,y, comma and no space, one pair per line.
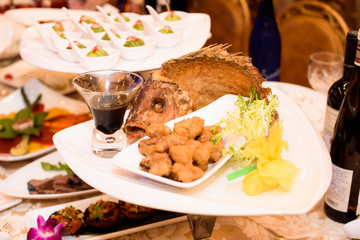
307,27
230,22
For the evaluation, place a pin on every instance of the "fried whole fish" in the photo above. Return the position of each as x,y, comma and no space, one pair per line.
212,72
190,82
156,102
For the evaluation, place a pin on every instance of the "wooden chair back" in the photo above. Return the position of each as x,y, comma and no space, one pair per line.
307,27
230,22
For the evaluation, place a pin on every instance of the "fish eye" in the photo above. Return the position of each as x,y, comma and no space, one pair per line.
158,105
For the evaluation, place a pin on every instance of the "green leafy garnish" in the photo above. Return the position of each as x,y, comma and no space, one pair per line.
251,119
8,132
60,167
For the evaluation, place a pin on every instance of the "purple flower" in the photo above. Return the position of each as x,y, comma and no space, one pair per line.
46,230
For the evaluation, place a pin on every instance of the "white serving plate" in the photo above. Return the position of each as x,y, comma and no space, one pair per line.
195,35
19,73
215,196
24,15
8,201
125,228
210,114
50,98
6,33
16,184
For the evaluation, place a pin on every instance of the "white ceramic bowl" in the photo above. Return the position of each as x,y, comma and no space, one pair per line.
164,40
69,54
96,63
182,23
140,52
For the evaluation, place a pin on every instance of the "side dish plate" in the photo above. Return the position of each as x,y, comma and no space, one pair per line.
14,102
215,196
16,184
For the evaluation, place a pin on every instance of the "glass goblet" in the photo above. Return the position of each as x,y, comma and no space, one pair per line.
107,94
324,69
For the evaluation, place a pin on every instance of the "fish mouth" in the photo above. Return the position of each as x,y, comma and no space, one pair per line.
134,131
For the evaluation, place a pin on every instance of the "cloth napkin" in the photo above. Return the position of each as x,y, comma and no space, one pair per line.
352,229
5,236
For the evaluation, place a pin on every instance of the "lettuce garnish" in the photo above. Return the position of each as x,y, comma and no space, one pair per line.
251,119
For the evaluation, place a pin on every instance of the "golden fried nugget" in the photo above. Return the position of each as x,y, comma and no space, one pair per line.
180,154
190,127
157,130
157,163
186,173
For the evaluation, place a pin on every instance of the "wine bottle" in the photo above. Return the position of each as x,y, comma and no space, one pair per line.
265,42
337,91
342,198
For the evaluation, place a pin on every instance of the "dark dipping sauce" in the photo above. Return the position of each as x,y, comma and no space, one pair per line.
108,121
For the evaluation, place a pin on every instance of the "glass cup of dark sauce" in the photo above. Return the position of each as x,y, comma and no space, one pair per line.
108,94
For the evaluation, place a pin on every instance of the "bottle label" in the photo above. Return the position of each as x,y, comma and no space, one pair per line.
331,115
337,196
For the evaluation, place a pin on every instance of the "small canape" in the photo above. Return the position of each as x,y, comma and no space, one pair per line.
165,36
175,19
67,53
98,57
73,217
136,48
102,215
98,34
135,212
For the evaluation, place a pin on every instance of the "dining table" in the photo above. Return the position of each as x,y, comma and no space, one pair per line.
313,224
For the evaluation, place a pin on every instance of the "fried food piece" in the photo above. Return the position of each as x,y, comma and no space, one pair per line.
157,130
186,173
208,132
181,154
149,145
157,163
155,102
202,153
190,127
212,72
216,154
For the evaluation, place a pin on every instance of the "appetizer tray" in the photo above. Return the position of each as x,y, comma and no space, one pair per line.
34,51
16,184
160,218
214,196
14,102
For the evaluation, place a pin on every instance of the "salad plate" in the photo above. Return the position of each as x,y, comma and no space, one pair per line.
215,195
50,98
16,184
124,227
195,35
